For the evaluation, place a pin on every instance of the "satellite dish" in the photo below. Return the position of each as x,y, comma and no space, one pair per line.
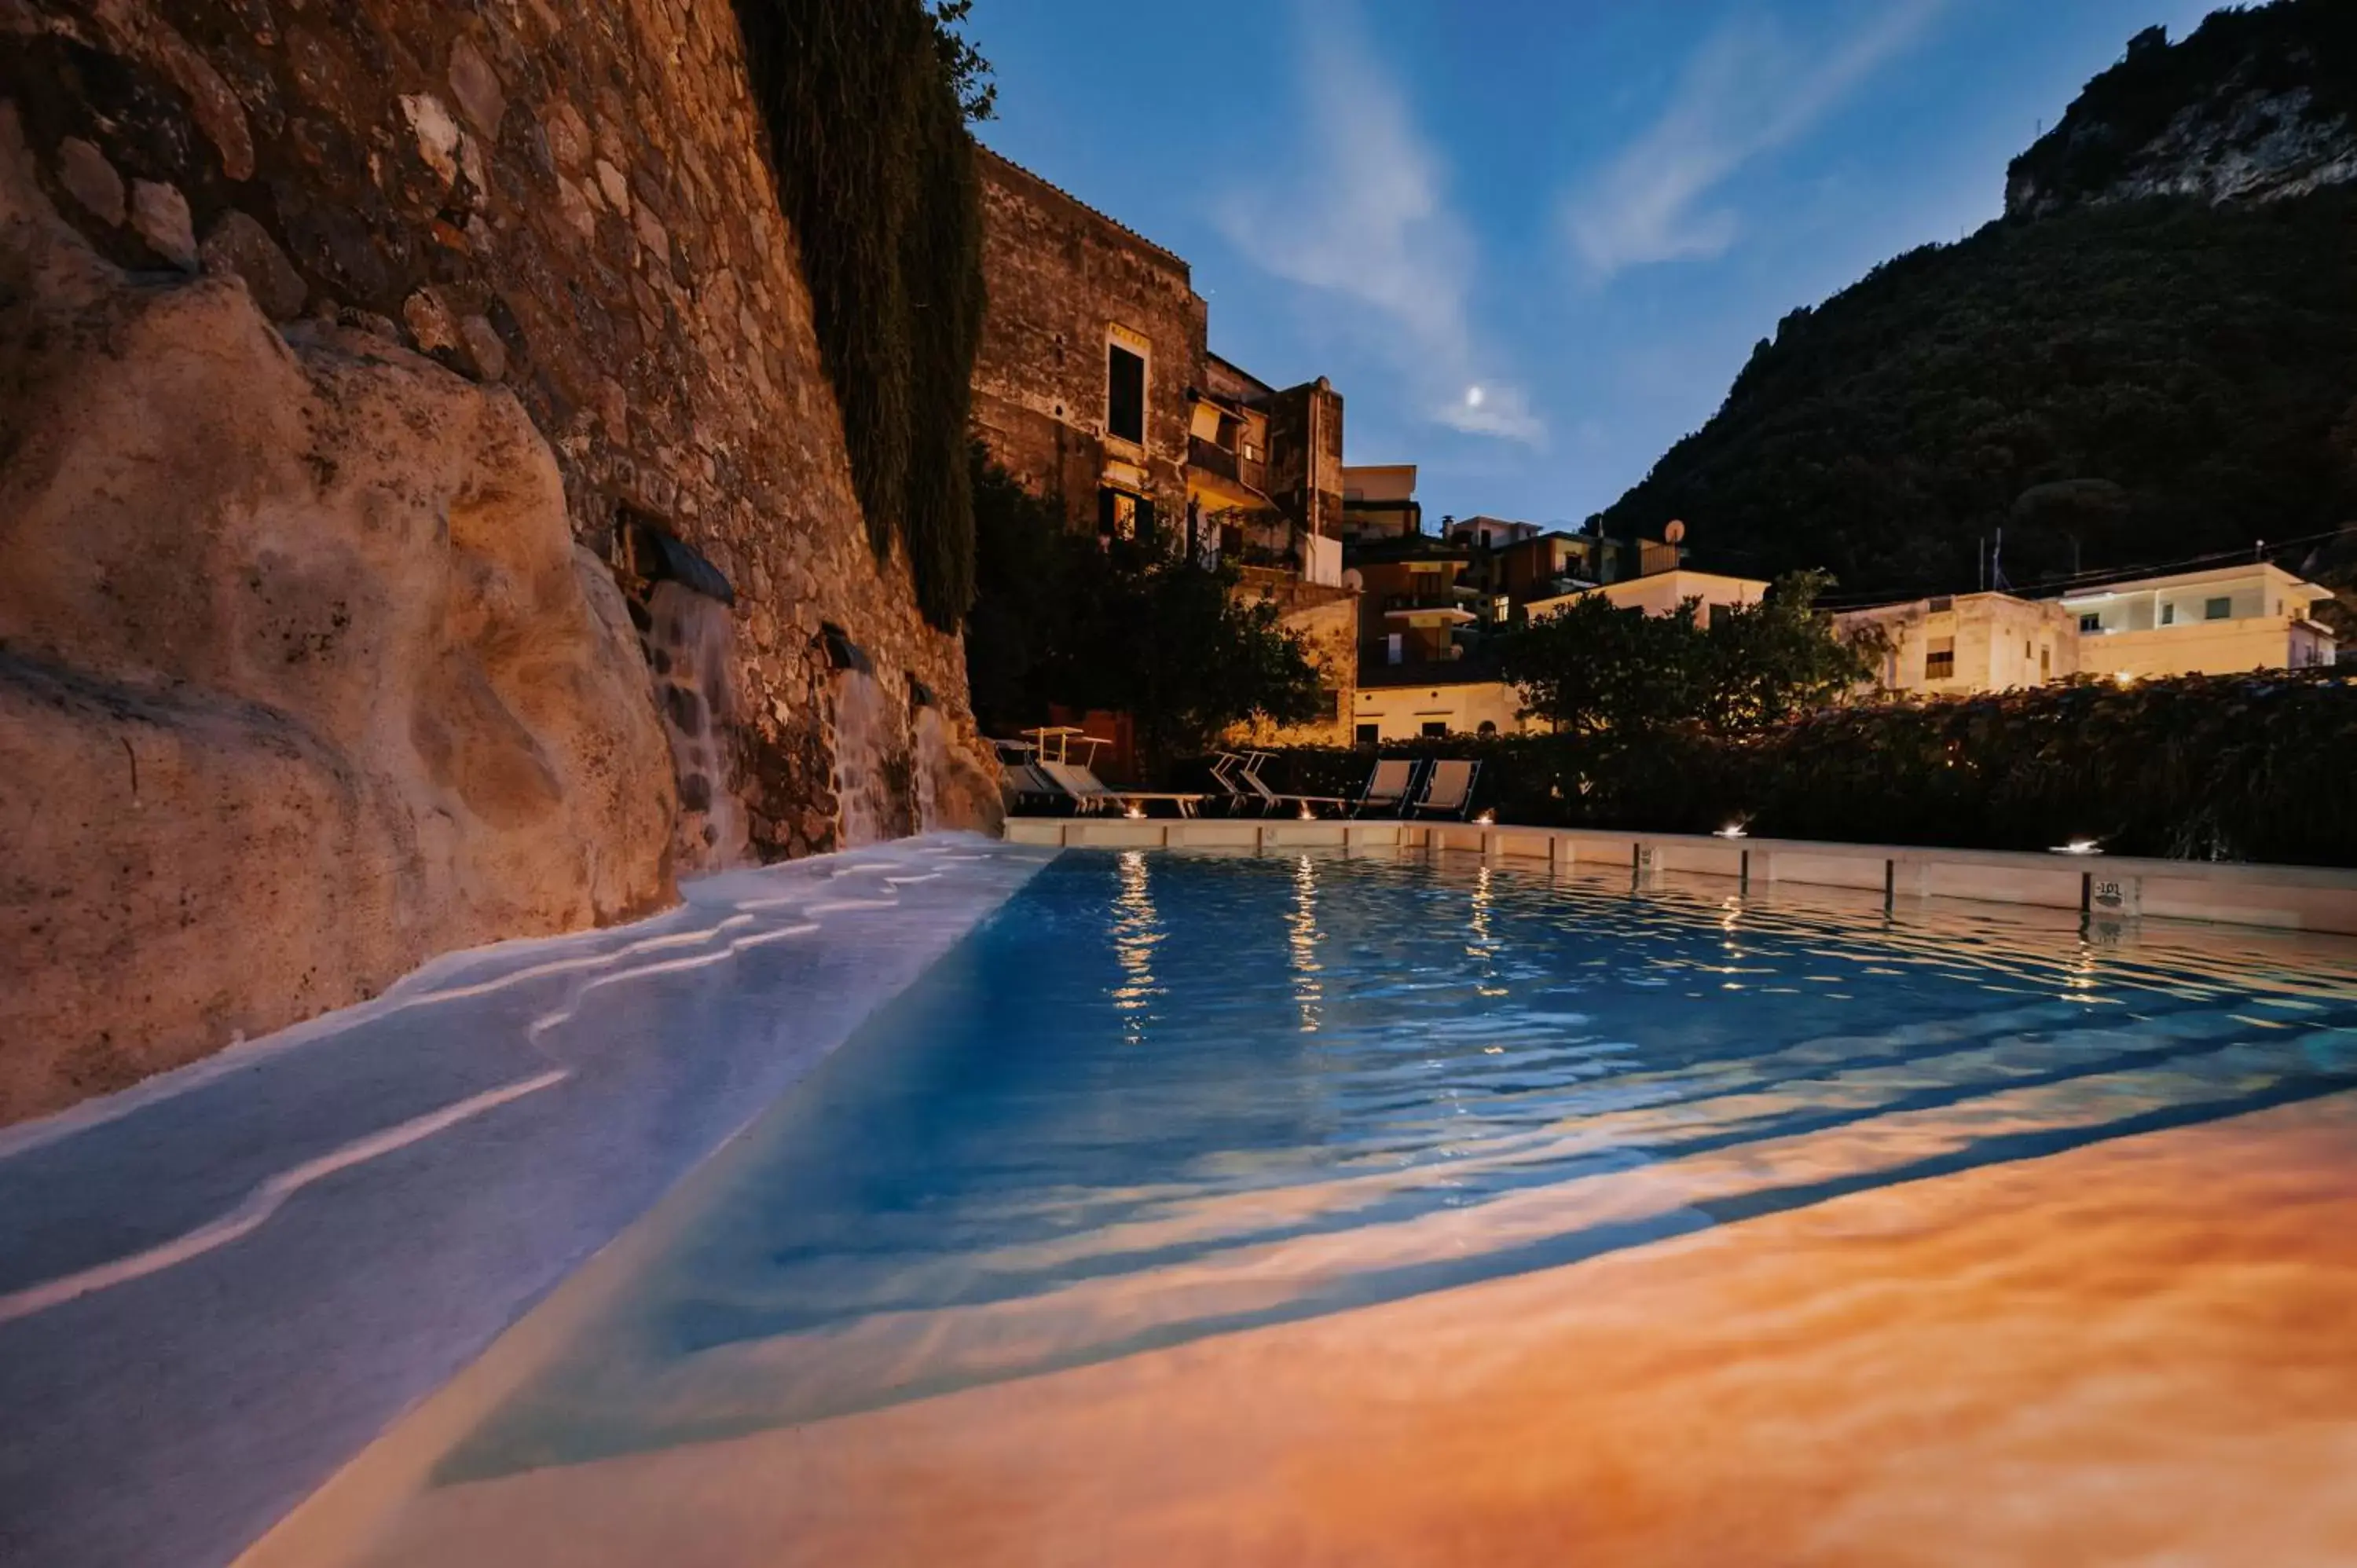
1675,533
1353,581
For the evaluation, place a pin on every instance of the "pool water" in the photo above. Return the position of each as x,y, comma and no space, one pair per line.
1182,1152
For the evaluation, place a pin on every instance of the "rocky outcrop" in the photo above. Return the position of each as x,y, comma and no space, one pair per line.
570,201
303,677
2256,106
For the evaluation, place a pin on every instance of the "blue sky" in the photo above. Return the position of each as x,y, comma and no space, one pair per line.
1589,210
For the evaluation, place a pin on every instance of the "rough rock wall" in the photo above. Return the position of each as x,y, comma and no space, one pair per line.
567,198
302,676
2258,103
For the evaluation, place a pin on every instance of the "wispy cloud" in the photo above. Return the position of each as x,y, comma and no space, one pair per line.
1366,218
1751,89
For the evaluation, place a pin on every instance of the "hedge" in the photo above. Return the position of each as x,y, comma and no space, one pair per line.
2252,766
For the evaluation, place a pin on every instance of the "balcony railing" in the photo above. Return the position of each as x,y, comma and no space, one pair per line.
1212,458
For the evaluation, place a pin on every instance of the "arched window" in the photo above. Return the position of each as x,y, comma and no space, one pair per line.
1488,727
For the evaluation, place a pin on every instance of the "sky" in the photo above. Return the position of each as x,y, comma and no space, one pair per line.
1530,241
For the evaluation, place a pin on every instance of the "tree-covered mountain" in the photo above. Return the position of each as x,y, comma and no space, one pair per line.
2113,379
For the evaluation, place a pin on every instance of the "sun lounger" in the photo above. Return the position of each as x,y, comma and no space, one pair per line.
1239,774
1448,790
1090,794
1388,787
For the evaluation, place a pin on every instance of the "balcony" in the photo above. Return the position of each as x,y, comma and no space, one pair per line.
1212,458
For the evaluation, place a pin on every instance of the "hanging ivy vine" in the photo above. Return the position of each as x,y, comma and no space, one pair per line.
866,107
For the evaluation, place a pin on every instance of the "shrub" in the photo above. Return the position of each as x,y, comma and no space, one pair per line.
2199,766
866,107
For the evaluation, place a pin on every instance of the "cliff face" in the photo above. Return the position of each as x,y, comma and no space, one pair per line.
304,679
472,495
2255,105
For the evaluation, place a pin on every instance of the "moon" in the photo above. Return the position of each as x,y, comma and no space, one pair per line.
1473,397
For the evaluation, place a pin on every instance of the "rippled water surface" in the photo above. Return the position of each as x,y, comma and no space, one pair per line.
1159,1098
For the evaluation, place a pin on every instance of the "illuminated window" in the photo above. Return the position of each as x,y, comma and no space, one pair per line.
1121,515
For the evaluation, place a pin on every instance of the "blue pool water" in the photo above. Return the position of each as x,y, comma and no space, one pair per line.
1157,1097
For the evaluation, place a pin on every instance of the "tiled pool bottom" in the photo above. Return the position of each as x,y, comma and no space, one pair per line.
1227,1210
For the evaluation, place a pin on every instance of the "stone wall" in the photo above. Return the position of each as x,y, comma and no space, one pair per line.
567,200
1061,275
303,679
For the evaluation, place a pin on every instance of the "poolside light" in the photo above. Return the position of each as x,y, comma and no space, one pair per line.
2078,846
2125,678
1307,814
1732,831
1135,811
1486,819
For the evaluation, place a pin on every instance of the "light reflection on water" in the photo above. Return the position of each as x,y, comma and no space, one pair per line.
1159,1098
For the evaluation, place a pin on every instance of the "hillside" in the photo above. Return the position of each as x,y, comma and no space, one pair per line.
2123,378
2254,104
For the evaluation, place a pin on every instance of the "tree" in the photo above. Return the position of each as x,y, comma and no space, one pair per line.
1063,618
1774,661
1599,667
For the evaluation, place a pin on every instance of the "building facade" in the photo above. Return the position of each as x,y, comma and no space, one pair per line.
1660,593
2225,619
1092,344
1379,502
1094,388
1954,645
1407,709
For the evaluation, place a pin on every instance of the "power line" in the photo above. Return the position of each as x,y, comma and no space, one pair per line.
2096,577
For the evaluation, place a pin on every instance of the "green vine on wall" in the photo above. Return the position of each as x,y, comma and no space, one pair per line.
866,107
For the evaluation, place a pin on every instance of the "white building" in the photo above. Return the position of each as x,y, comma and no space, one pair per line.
1962,643
1387,712
1660,593
2227,618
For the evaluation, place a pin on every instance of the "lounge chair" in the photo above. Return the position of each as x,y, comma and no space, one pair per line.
1448,790
1090,794
1388,787
1239,774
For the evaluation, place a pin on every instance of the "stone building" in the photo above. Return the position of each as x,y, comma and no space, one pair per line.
1091,347
1095,389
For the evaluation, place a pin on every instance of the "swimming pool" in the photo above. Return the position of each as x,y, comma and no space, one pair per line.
1219,1208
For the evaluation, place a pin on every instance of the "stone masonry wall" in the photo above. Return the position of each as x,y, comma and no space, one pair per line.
567,198
1061,275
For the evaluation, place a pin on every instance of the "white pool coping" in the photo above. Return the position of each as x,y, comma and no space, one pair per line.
2287,897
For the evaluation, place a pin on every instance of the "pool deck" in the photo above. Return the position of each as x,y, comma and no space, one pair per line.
2118,888
218,1286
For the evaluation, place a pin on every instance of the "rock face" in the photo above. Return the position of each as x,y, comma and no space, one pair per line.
358,363
2256,106
303,677
568,198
